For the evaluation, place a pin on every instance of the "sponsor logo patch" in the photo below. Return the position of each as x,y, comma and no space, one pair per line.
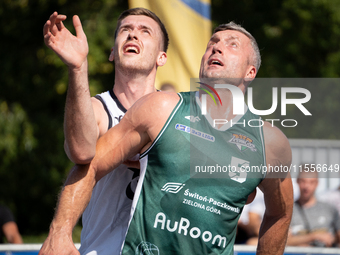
172,187
195,132
242,142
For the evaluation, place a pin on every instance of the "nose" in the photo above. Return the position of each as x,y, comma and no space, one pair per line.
132,35
217,48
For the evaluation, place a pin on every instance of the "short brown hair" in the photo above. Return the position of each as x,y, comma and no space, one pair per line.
150,14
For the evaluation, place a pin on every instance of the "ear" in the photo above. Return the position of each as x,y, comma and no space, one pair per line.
251,73
161,60
111,57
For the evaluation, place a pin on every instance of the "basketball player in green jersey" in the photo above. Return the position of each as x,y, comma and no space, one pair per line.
180,211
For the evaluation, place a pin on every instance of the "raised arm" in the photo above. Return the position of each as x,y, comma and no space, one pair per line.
81,126
278,194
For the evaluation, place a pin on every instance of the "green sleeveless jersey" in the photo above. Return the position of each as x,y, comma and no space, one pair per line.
195,180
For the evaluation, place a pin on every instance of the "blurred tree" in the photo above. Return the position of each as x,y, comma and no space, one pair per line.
297,39
33,88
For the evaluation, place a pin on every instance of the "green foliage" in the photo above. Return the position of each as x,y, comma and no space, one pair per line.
16,134
33,88
297,39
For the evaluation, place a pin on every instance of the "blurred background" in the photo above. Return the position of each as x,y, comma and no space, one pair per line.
297,39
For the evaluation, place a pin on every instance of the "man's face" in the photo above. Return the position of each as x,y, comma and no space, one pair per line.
227,56
307,187
138,44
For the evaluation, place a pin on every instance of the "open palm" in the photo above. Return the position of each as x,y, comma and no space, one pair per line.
71,49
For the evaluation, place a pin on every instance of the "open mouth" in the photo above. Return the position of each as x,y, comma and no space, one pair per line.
215,62
131,49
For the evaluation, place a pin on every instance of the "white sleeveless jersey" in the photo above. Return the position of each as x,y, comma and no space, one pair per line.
106,218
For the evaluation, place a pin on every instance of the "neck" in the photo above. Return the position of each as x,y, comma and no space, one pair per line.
307,202
129,88
226,109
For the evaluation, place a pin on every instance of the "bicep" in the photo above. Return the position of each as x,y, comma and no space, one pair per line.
118,144
277,186
101,116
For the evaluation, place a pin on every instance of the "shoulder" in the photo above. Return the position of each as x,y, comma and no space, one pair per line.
330,196
278,151
161,98
101,115
323,206
150,111
6,214
156,104
97,102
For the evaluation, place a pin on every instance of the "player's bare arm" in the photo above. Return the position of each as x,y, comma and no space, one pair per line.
278,194
80,127
75,137
135,133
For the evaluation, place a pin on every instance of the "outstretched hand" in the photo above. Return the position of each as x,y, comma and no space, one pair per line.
71,49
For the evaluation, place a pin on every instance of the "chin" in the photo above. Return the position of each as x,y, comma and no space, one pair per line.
211,74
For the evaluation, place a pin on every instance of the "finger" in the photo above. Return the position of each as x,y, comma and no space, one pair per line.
60,25
53,19
49,40
59,21
48,37
78,27
46,27
61,17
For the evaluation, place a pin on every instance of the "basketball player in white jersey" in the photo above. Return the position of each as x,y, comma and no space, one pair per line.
140,47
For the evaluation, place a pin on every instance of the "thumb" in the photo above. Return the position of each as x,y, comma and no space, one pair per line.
78,27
